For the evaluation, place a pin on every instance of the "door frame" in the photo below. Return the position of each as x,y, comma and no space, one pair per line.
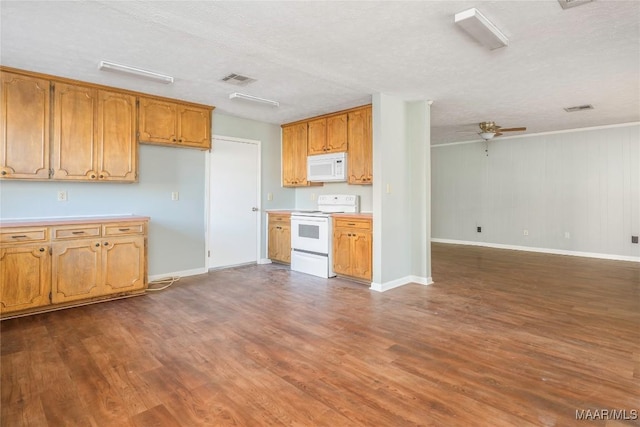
207,194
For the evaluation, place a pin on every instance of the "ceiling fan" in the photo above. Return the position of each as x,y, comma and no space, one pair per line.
489,130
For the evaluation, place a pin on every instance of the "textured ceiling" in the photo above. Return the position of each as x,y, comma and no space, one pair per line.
318,57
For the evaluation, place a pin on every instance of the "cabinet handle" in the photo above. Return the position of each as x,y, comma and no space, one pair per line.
97,245
93,177
41,249
123,229
106,243
351,223
101,176
173,140
180,140
4,172
77,232
22,236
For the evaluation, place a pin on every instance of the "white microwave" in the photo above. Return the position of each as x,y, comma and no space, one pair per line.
327,167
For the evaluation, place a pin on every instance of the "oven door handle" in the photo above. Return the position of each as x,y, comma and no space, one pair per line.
299,220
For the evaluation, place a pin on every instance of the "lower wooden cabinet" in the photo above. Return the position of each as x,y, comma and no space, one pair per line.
352,247
280,237
74,262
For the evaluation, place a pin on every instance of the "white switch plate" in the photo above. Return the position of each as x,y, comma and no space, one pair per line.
525,232
269,196
388,188
567,235
175,195
62,196
313,196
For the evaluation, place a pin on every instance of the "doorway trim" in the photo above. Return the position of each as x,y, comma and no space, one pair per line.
207,194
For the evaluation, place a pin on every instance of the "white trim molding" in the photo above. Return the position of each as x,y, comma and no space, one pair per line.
183,273
264,261
382,287
540,250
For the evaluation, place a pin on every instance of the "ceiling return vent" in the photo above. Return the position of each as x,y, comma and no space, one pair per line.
579,108
238,79
567,4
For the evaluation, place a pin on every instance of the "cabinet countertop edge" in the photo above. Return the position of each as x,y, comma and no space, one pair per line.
30,222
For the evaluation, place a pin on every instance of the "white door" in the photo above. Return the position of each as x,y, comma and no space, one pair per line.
234,202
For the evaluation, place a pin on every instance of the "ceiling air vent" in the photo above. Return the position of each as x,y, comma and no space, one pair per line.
567,4
579,108
238,80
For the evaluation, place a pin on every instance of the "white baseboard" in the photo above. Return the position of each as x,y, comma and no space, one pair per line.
264,261
541,250
184,273
381,287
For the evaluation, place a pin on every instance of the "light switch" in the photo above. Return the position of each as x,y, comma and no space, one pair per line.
62,196
269,196
175,195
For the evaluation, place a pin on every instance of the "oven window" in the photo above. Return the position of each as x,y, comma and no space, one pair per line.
309,231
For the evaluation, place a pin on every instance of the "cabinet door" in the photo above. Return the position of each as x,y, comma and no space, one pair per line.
361,255
317,137
342,251
194,127
24,127
284,243
337,134
158,121
25,272
116,137
273,242
360,162
76,270
74,137
123,264
294,155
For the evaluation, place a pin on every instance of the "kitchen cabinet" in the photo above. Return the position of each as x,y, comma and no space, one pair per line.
25,269
67,262
327,135
93,134
173,123
360,162
294,155
352,247
279,237
24,127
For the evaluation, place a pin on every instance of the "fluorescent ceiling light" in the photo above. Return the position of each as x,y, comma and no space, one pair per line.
239,95
481,29
138,72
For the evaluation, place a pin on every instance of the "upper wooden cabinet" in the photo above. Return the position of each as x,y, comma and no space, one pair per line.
24,127
172,123
360,162
327,135
93,134
294,155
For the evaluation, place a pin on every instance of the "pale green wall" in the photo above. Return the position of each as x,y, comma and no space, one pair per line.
177,228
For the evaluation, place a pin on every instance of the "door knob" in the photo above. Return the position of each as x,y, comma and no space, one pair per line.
255,209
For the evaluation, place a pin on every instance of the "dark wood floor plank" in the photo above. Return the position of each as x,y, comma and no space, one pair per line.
503,338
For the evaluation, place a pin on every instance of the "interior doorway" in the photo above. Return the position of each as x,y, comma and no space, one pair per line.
234,202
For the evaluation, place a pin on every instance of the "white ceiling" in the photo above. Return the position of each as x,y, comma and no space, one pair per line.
319,57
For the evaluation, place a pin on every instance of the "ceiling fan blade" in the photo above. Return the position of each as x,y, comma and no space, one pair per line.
513,129
498,134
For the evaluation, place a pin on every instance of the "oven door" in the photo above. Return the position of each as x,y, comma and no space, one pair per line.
310,234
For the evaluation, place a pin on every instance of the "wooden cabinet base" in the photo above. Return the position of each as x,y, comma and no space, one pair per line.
58,263
62,306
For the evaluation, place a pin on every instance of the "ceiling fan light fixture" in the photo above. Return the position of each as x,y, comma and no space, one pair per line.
133,71
238,95
487,135
480,28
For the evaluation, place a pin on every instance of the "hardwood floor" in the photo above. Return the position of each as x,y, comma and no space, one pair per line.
503,338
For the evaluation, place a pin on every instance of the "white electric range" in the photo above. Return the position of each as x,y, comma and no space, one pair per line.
311,234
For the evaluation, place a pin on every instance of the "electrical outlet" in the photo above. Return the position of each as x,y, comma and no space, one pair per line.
479,229
175,195
313,196
567,235
62,196
269,196
634,239
525,232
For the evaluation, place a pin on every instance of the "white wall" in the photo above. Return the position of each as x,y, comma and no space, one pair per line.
584,182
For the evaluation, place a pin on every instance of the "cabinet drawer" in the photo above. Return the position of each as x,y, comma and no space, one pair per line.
273,218
19,235
123,229
361,224
76,232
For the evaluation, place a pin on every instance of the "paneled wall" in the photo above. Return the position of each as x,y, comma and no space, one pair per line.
573,191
